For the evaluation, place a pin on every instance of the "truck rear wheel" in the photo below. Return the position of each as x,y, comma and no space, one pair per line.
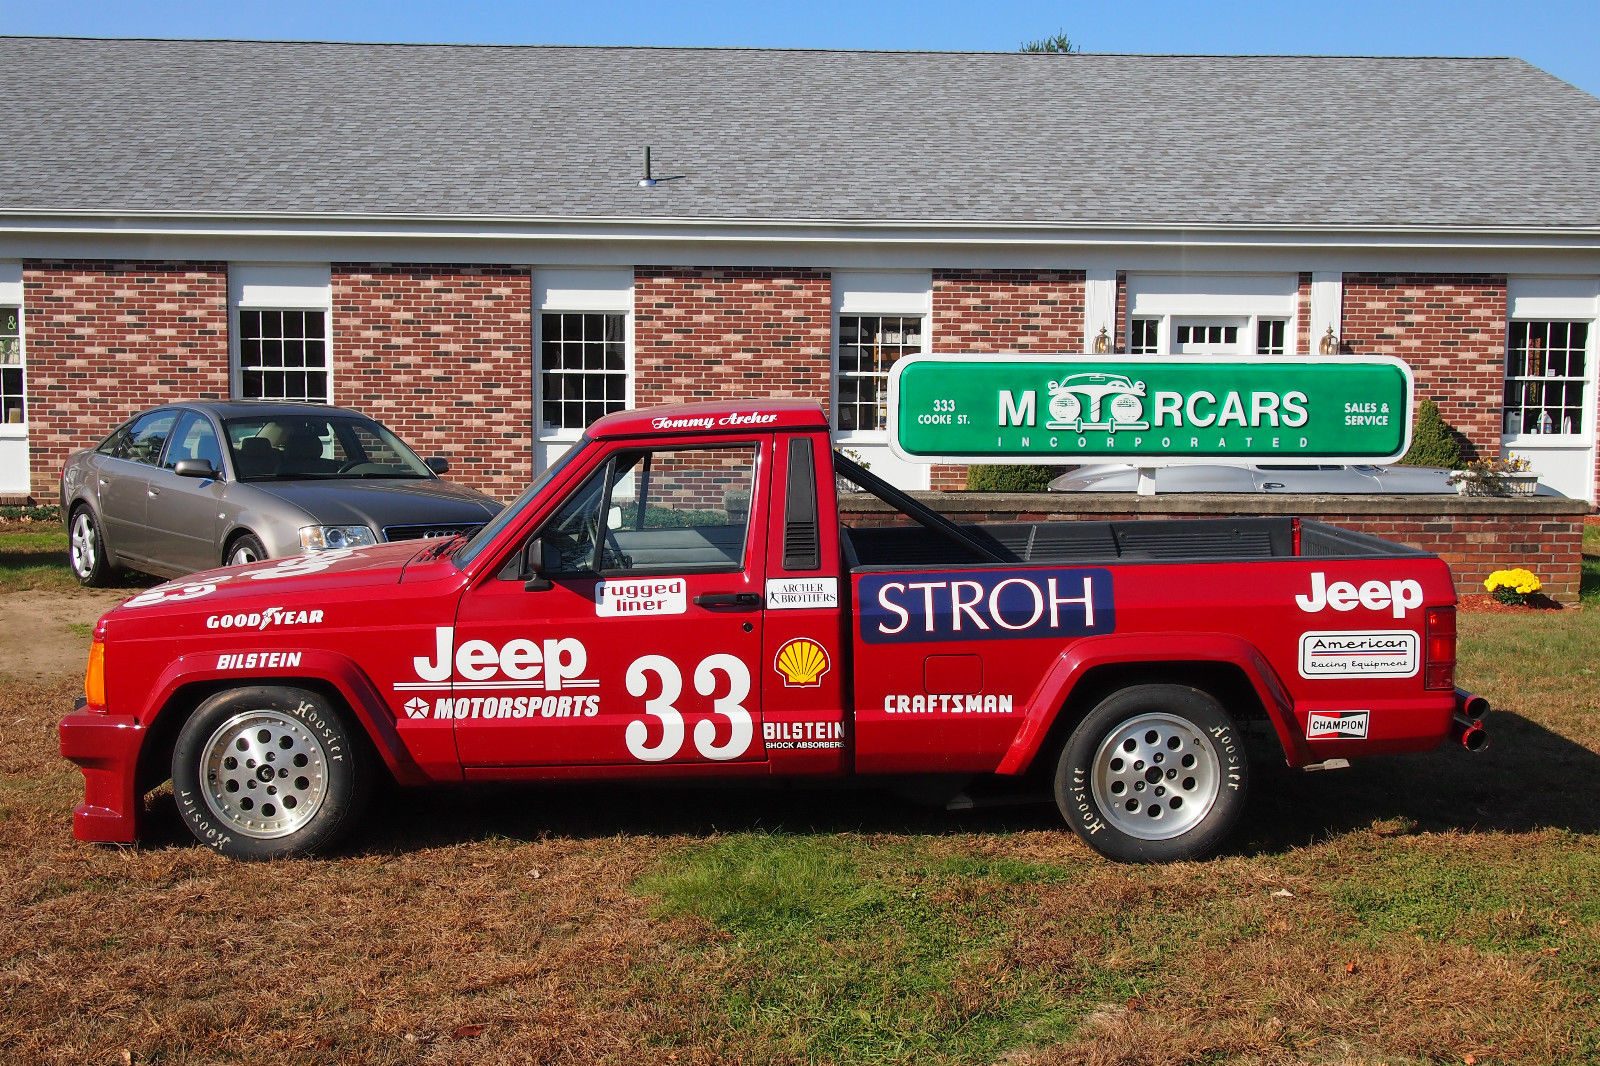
1155,773
269,772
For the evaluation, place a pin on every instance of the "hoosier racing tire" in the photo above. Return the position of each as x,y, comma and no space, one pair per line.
1155,773
268,772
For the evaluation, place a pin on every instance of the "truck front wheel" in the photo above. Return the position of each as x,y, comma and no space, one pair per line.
269,772
1155,773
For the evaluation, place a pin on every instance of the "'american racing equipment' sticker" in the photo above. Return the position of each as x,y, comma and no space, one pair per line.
1337,725
1361,653
986,605
792,593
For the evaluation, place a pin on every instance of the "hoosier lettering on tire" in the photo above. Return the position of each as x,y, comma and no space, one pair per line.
1155,773
269,772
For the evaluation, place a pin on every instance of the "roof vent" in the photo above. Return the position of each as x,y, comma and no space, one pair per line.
647,182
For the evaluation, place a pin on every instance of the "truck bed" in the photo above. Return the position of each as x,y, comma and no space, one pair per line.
1166,540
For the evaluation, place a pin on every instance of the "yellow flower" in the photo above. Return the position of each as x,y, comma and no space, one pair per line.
1524,582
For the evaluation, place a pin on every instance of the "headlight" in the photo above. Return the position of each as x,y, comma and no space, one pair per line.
329,538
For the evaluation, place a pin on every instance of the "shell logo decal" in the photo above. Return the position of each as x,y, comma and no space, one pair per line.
802,662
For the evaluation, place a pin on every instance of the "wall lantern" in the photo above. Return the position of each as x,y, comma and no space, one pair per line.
1329,344
1102,343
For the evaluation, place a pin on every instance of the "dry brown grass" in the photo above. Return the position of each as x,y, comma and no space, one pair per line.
1411,910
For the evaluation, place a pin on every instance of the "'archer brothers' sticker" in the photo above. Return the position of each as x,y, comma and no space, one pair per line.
793,593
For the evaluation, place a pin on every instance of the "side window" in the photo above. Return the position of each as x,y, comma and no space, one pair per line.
142,440
115,444
194,439
676,510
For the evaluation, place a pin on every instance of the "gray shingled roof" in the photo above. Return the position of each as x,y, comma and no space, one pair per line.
451,131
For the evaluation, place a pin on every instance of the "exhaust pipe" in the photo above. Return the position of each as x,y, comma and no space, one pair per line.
1471,734
1472,708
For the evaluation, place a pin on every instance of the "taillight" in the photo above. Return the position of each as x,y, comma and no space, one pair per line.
1439,667
94,677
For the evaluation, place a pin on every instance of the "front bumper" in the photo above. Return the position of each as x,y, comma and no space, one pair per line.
106,748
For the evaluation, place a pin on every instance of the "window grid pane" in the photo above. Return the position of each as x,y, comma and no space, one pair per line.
583,367
13,386
1270,333
1143,337
1546,369
869,345
283,355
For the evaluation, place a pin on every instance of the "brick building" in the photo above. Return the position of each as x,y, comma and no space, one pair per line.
457,240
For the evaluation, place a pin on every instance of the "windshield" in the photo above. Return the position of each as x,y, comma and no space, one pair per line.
469,551
293,447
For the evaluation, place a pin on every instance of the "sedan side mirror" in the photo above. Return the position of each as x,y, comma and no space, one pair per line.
196,468
437,463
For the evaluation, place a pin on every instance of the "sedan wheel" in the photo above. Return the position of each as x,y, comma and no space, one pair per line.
86,550
247,549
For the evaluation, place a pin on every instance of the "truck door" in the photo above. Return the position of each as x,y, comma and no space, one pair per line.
639,641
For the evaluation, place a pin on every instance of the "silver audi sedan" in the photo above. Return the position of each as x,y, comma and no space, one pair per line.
191,486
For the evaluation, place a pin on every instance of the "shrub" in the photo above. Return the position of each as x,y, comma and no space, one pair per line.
45,513
1010,478
1433,442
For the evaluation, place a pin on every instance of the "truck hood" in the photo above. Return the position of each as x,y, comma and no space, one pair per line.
383,502
308,579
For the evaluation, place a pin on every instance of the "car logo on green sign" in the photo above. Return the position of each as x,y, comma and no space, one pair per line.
1150,411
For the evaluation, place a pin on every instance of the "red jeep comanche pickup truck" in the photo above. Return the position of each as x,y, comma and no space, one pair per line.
676,597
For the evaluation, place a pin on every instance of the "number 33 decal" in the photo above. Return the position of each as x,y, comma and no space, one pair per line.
664,707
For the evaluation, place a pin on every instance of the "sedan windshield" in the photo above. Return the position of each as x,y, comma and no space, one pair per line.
318,447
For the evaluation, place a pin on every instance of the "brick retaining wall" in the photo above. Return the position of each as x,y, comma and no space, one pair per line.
1475,535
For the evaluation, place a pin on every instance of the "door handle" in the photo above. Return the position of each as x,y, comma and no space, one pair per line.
727,599
152,493
1272,484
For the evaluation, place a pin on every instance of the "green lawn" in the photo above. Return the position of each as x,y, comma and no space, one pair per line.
34,559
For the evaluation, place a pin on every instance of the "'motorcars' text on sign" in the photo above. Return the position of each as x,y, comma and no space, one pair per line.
1071,408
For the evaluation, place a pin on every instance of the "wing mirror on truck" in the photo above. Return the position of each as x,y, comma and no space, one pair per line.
539,558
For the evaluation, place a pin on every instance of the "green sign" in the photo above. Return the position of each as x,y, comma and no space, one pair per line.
1153,411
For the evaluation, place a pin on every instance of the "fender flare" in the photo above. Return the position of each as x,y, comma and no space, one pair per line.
324,667
1048,701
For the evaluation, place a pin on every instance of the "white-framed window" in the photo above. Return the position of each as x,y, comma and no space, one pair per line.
282,342
1144,336
1547,378
1272,336
13,369
583,368
583,358
869,345
1552,352
283,355
1212,314
879,318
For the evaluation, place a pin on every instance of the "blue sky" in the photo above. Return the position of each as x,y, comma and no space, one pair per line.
1561,37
